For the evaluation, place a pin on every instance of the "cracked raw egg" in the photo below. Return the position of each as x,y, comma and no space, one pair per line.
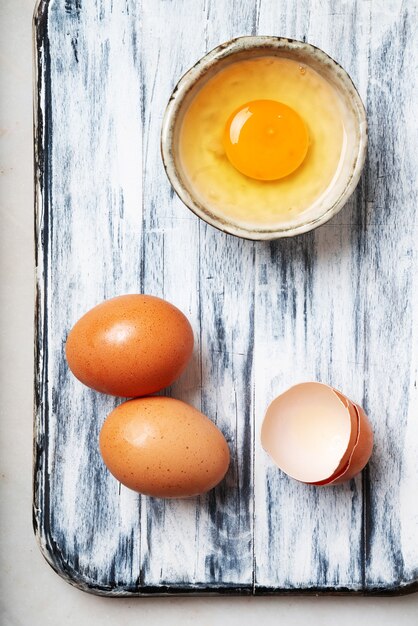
316,435
262,140
266,139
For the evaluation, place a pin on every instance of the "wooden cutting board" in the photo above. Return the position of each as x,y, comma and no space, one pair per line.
338,305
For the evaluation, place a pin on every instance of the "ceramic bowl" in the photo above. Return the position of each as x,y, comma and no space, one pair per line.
355,121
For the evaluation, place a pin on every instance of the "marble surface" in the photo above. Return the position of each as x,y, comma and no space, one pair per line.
31,593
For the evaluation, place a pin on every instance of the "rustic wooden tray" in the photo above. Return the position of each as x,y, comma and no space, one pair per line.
337,305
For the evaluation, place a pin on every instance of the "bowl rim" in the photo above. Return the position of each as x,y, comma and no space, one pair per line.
195,73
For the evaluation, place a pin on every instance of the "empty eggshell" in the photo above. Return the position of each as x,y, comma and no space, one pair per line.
317,435
307,431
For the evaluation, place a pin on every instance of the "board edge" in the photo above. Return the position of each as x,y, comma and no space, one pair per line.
59,565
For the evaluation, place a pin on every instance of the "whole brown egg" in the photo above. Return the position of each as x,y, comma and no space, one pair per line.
163,448
131,345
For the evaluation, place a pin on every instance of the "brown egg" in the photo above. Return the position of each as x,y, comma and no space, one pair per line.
164,448
317,435
132,345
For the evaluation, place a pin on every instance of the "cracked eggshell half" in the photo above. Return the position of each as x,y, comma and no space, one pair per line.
308,431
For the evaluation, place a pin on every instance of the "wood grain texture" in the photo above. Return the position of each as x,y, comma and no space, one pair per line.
337,305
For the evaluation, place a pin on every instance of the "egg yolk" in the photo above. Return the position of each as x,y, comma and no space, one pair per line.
265,139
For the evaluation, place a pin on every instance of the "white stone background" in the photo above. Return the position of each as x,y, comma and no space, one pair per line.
31,593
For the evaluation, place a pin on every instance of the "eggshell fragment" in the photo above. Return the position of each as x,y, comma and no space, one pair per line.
163,447
362,449
306,431
132,345
354,430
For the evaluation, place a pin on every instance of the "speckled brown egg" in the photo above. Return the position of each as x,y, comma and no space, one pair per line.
132,345
164,448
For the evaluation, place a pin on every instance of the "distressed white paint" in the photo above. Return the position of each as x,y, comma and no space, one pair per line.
336,305
391,273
